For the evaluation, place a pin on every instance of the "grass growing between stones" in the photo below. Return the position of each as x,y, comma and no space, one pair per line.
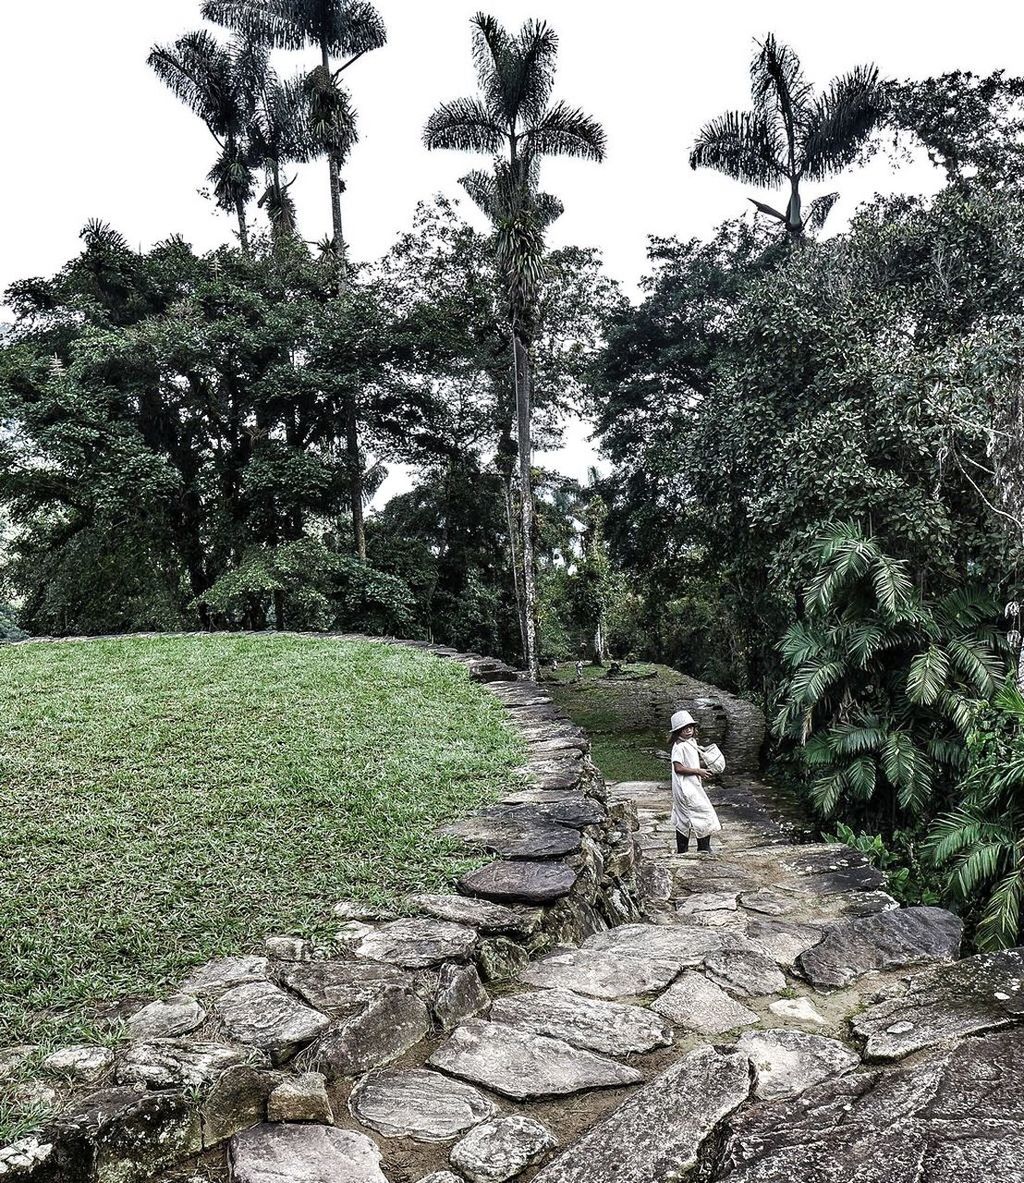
168,800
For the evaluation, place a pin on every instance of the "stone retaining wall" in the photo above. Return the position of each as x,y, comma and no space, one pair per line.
254,1038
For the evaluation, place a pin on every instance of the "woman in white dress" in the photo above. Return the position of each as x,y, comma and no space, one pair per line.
693,815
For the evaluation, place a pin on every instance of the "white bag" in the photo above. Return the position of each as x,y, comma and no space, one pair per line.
711,757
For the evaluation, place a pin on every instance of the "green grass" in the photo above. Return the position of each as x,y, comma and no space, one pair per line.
169,800
621,745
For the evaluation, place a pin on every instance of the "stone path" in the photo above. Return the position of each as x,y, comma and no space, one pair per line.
770,1017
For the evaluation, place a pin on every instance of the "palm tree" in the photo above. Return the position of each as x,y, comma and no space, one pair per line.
215,82
338,28
515,121
792,134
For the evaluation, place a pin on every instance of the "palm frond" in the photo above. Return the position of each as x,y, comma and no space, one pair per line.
566,131
840,121
348,27
777,81
742,145
531,81
801,642
818,210
977,664
826,791
1000,924
492,58
197,70
464,125
850,739
928,673
893,586
809,683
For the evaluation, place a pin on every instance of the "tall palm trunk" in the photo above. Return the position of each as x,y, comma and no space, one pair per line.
243,230
355,466
521,356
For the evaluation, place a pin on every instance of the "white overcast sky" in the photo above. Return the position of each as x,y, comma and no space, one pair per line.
90,132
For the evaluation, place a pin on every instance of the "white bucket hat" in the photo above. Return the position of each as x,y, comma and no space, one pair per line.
681,719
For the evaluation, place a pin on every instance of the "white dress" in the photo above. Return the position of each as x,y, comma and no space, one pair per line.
692,811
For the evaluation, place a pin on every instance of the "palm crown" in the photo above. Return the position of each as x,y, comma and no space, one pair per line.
792,134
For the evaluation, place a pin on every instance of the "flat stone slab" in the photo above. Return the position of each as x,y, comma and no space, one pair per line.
608,1027
303,1154
521,1065
417,1103
697,1004
84,1062
657,1132
708,901
480,914
385,1027
520,880
418,942
788,1062
499,1150
166,1063
602,973
569,809
301,1098
224,973
886,940
977,994
768,902
341,988
685,944
957,1117
166,1020
460,995
745,972
521,837
263,1015
782,940
799,1010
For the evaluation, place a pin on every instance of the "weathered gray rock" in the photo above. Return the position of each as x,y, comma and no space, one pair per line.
265,1016
602,973
886,940
480,914
166,1020
566,808
224,973
657,1132
977,994
520,880
782,940
788,1062
441,1177
460,995
744,972
799,1010
520,1064
80,1061
385,1027
342,988
956,1117
417,1103
501,959
498,1150
697,1004
768,902
362,912
417,942
235,1100
301,1098
708,901
304,1154
606,1027
515,837
165,1063
684,944
288,948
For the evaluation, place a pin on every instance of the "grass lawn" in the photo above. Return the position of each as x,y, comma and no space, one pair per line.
169,800
621,736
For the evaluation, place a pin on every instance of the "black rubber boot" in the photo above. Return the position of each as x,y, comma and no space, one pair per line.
704,844
682,843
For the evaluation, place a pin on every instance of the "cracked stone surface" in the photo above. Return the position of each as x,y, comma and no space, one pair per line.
781,940
515,837
608,1027
304,1154
520,1064
700,1005
418,1103
745,972
390,1024
81,1061
498,1150
342,988
886,940
481,914
956,1117
684,944
800,1010
265,1016
301,1098
418,942
224,973
520,881
974,995
788,1062
602,973
460,995
657,1132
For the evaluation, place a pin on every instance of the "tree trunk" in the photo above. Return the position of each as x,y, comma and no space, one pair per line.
599,643
243,230
522,374
514,558
355,476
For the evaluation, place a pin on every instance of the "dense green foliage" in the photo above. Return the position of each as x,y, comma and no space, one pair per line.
175,799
